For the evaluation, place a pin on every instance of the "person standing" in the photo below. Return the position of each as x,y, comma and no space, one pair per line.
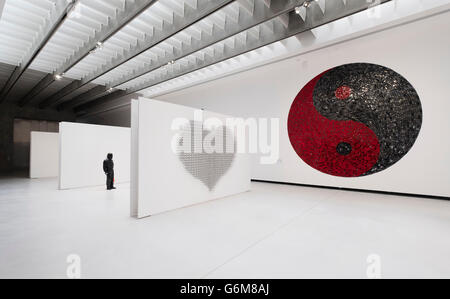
108,168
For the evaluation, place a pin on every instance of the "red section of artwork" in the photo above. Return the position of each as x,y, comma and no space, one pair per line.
315,138
343,92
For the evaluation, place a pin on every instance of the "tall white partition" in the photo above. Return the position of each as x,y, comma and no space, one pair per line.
44,155
83,148
165,178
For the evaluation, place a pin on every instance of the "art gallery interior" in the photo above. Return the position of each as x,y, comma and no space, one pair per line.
251,139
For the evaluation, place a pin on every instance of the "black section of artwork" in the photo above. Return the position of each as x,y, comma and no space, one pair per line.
344,148
381,99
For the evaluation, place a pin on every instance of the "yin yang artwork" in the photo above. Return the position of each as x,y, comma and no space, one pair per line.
355,120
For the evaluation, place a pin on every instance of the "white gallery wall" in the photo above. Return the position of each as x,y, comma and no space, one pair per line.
162,178
419,51
44,155
83,148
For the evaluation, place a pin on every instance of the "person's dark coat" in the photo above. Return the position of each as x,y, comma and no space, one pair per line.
108,168
108,165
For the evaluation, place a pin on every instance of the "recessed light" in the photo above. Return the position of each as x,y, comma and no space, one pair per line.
98,46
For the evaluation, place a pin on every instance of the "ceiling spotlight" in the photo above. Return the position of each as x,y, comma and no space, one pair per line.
302,9
110,90
171,62
59,77
98,46
307,3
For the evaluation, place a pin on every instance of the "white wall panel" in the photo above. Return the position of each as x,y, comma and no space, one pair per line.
44,155
134,160
84,148
163,182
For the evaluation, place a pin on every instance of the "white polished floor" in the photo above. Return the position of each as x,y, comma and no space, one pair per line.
274,231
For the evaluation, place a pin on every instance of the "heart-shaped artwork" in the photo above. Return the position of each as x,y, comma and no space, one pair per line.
207,164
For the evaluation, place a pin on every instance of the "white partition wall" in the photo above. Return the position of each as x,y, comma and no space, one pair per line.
164,178
44,155
83,148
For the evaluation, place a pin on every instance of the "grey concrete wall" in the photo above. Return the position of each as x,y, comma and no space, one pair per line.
9,112
22,139
114,113
118,117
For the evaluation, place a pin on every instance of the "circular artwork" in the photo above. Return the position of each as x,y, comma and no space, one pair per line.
355,120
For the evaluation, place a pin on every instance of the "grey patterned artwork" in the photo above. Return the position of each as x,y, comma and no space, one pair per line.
207,163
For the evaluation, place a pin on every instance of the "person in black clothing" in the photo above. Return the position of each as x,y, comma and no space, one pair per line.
108,168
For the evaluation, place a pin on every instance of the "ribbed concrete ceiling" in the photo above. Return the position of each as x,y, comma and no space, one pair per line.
72,54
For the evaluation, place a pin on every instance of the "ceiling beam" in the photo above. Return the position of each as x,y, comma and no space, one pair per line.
191,16
124,16
57,16
37,89
260,12
274,31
